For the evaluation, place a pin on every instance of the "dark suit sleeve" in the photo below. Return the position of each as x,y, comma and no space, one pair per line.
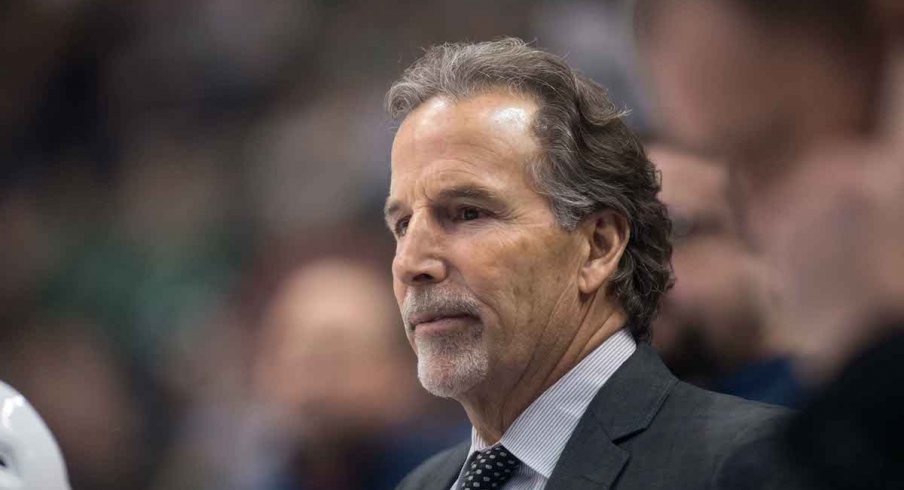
758,459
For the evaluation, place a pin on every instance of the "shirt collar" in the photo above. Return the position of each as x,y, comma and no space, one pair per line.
539,435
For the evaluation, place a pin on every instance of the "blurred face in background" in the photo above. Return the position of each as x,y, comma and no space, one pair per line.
789,93
753,87
483,274
330,359
711,321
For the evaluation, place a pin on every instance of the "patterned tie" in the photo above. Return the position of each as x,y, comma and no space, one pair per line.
489,469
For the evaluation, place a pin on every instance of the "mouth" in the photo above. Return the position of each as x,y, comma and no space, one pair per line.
433,322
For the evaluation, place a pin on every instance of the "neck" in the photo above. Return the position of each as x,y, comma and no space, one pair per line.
496,404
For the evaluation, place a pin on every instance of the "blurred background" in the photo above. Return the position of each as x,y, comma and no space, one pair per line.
187,191
194,274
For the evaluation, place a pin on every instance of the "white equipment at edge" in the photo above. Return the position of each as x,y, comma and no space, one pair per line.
29,456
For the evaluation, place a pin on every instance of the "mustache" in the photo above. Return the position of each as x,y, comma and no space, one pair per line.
424,304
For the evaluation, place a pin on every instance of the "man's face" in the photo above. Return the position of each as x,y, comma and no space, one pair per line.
484,276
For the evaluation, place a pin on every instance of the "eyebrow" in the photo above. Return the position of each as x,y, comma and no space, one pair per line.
466,191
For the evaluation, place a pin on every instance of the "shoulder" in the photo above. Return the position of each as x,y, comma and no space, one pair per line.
723,422
707,440
743,439
719,410
445,464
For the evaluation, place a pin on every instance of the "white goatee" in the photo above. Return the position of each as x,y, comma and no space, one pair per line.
449,363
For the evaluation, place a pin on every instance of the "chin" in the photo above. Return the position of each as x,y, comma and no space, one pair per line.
449,366
446,383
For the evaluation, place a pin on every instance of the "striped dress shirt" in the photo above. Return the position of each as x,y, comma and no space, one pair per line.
539,435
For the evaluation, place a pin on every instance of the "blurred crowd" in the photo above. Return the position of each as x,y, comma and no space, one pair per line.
194,275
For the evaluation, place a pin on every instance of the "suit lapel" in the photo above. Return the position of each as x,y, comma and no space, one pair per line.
624,406
590,460
448,470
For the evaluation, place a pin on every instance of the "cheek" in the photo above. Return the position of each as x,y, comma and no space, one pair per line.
510,273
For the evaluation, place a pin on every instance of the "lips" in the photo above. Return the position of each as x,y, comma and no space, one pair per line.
437,318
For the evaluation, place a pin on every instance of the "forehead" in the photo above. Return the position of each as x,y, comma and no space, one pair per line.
480,136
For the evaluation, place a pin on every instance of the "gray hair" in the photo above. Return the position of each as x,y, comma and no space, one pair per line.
591,161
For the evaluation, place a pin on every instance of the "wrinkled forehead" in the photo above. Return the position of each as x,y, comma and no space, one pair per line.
482,133
495,118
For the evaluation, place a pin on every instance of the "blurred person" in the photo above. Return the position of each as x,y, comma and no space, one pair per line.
829,161
307,326
714,328
531,256
844,201
839,241
335,379
839,248
823,156
830,226
727,76
326,383
760,85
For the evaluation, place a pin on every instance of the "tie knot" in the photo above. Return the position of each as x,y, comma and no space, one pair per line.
489,469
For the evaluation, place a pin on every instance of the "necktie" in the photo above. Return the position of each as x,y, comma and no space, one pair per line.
489,469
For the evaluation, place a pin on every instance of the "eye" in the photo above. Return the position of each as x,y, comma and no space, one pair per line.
468,213
401,226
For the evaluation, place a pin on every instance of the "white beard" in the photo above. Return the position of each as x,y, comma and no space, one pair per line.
449,364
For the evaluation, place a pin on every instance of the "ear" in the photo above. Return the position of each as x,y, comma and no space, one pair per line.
607,233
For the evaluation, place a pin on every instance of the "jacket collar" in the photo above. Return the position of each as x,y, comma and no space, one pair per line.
624,406
633,396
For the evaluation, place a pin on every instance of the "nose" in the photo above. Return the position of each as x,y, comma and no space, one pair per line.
419,259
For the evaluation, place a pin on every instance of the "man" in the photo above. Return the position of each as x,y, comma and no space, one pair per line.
531,255
714,329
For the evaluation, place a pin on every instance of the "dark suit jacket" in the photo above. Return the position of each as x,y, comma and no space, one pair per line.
646,430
